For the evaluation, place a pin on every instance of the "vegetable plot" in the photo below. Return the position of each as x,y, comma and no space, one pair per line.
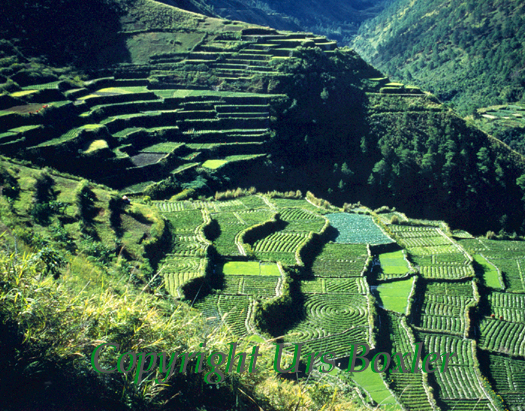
357,229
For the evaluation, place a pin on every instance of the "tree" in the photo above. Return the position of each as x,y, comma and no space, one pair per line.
346,170
325,94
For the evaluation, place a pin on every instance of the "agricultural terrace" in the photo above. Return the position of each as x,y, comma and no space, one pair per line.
506,256
392,265
184,108
357,229
462,386
393,296
437,255
508,375
444,306
341,260
376,388
424,293
491,274
509,306
410,389
250,268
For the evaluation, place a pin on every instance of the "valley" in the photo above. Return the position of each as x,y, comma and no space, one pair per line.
175,181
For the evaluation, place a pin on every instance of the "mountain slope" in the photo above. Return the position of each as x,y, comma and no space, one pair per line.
468,53
193,105
336,19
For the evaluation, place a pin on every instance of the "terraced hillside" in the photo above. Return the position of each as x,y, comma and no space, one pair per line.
180,101
275,272
299,270
148,121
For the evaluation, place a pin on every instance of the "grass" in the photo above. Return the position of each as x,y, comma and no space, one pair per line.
162,148
490,274
373,383
393,263
241,157
394,296
24,128
250,268
92,126
113,91
23,93
96,145
214,164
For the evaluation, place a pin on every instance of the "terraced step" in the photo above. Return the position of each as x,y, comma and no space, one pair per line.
226,123
129,107
212,48
118,98
268,37
131,82
263,46
329,45
197,61
248,62
247,100
8,137
231,73
196,114
196,55
147,120
283,52
211,136
231,66
260,69
254,52
76,93
237,115
226,78
235,108
291,42
200,105
243,132
252,123
245,55
167,60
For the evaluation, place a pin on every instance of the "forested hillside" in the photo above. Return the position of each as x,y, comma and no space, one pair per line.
469,53
183,102
339,20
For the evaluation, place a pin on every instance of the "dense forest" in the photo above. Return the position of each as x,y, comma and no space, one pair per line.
468,53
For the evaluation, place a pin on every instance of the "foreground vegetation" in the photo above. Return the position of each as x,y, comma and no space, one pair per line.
63,293
282,279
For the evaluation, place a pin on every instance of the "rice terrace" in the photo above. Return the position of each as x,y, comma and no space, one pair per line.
174,182
282,248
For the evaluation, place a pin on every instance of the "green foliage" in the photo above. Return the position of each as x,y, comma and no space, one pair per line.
463,52
43,188
10,186
85,202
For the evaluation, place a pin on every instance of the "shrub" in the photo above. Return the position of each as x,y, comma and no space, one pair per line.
490,235
85,202
11,188
44,188
162,189
116,206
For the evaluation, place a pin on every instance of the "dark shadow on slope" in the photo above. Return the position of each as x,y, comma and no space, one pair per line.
84,34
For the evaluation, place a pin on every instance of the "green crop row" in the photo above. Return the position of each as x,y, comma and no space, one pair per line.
502,336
